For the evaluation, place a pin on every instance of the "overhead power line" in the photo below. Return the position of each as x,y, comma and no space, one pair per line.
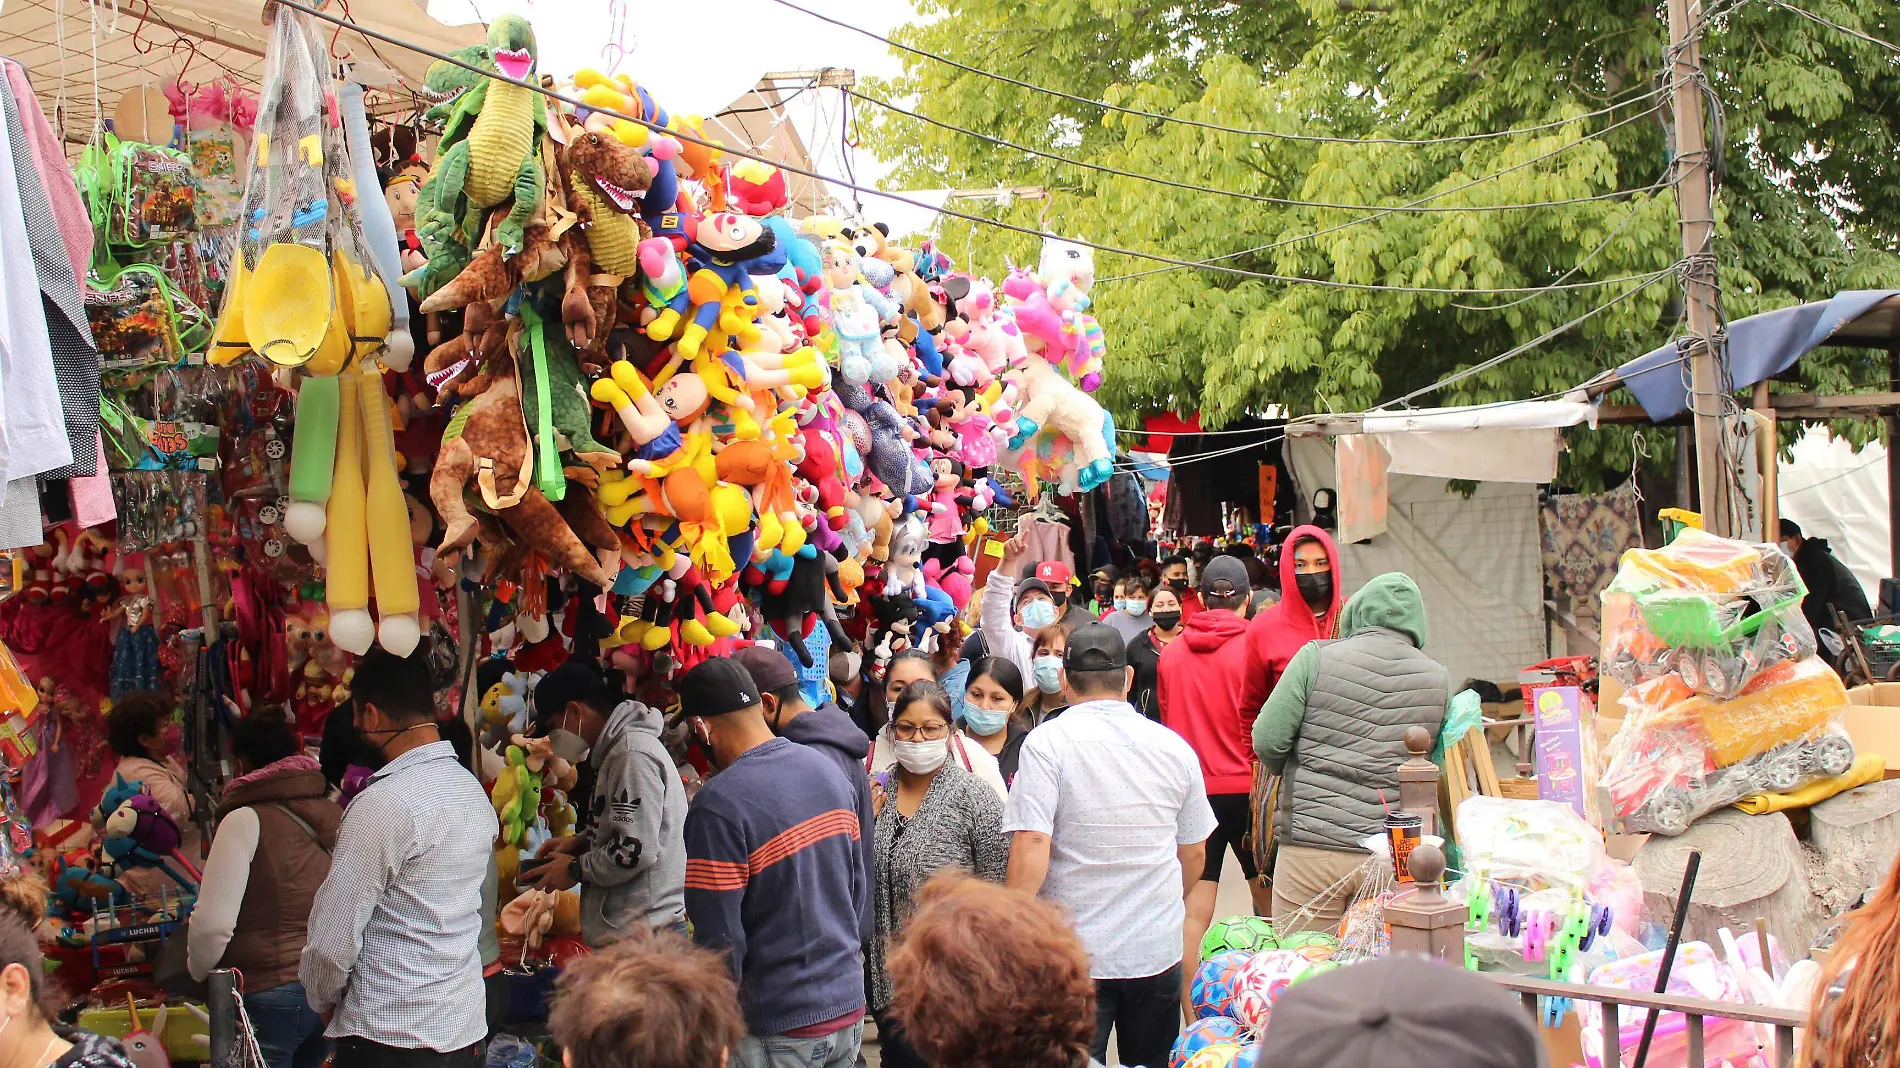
1848,30
912,202
1412,206
1217,127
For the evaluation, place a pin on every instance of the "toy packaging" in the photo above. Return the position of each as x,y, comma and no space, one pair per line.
1726,697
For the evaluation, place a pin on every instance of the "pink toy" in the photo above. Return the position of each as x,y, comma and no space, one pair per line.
1698,973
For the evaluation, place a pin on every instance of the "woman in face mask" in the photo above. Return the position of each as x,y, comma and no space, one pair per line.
1144,650
991,702
935,815
1045,664
907,669
1130,616
29,1035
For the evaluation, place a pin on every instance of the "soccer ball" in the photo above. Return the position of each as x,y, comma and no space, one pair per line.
1201,1034
1218,1055
1248,1057
1252,933
1313,945
1212,989
1261,981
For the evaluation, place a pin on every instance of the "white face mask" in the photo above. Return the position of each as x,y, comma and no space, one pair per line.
569,746
1137,607
922,758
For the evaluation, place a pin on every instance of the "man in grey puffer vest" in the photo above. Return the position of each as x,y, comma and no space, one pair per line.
1334,729
630,861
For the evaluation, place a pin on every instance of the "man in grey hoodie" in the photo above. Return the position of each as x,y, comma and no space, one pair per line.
630,861
827,729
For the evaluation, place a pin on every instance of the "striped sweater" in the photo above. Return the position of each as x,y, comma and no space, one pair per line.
775,876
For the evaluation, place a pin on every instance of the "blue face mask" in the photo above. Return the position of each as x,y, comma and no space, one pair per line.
984,721
1048,672
1038,614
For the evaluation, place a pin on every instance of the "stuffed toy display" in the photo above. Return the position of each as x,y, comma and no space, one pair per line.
654,408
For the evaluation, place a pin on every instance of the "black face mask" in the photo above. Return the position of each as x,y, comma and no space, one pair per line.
1167,620
1060,599
1316,589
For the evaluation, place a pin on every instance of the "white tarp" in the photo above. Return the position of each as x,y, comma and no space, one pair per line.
1840,494
1483,443
1477,560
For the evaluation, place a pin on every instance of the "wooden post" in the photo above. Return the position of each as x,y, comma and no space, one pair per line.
1425,921
1768,445
1418,779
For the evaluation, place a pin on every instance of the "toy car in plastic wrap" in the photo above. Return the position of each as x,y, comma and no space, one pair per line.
1680,754
1714,611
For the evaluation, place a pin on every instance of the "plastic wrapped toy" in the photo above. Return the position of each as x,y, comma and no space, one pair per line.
1681,754
1699,973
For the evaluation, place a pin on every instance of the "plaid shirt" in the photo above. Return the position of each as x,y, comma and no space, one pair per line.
395,929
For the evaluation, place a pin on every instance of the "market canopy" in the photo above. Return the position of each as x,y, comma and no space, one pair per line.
199,41
1762,346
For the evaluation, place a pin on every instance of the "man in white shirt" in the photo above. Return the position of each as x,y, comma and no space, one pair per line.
1109,818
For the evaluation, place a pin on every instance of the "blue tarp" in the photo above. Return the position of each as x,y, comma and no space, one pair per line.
1759,347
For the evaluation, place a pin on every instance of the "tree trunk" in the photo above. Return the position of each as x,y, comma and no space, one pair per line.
1857,835
1751,867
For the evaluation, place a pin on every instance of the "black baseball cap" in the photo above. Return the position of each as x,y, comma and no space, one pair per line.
1400,1010
717,687
1027,585
767,666
1224,576
575,680
1106,571
1095,647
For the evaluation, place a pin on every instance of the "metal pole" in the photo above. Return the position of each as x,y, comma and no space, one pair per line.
1669,952
1695,207
222,988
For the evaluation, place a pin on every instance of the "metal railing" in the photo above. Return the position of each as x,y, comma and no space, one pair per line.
1695,1011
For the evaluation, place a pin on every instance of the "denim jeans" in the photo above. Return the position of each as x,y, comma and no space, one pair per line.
289,1033
836,1050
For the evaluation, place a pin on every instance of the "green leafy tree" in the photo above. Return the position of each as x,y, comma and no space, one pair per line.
1809,203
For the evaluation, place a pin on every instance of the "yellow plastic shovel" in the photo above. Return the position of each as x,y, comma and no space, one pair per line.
288,304
227,338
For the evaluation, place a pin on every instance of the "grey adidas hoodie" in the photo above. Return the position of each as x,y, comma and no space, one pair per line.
634,868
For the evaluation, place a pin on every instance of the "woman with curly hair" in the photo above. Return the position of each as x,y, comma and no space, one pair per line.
987,977
1855,1020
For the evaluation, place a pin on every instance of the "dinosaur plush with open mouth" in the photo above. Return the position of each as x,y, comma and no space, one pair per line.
606,184
490,151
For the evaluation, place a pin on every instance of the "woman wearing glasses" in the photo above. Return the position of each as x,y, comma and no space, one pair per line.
934,815
906,669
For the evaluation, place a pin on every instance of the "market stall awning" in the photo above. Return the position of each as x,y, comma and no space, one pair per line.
1762,346
199,41
1515,442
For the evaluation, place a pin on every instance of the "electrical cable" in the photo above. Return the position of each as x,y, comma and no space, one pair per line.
1217,127
794,95
1235,193
1831,25
1387,211
791,168
1628,217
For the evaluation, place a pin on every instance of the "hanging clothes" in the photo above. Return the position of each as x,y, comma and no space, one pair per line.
32,416
69,334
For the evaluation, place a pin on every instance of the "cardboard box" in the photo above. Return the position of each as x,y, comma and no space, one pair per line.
1873,721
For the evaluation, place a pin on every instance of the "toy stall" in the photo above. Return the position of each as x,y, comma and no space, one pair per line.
1704,834
570,378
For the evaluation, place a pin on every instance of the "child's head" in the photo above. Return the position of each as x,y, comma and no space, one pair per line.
652,1000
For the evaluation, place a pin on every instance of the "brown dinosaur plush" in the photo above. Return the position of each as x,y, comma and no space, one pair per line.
604,182
486,443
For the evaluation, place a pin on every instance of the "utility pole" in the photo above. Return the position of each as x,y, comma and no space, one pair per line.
1695,196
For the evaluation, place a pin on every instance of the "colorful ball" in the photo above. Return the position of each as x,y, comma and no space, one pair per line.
1218,1055
1313,945
1248,1057
1261,981
1201,1034
1212,989
1252,933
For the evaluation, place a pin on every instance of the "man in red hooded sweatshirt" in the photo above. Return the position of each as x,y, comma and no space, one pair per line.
1308,611
1198,688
